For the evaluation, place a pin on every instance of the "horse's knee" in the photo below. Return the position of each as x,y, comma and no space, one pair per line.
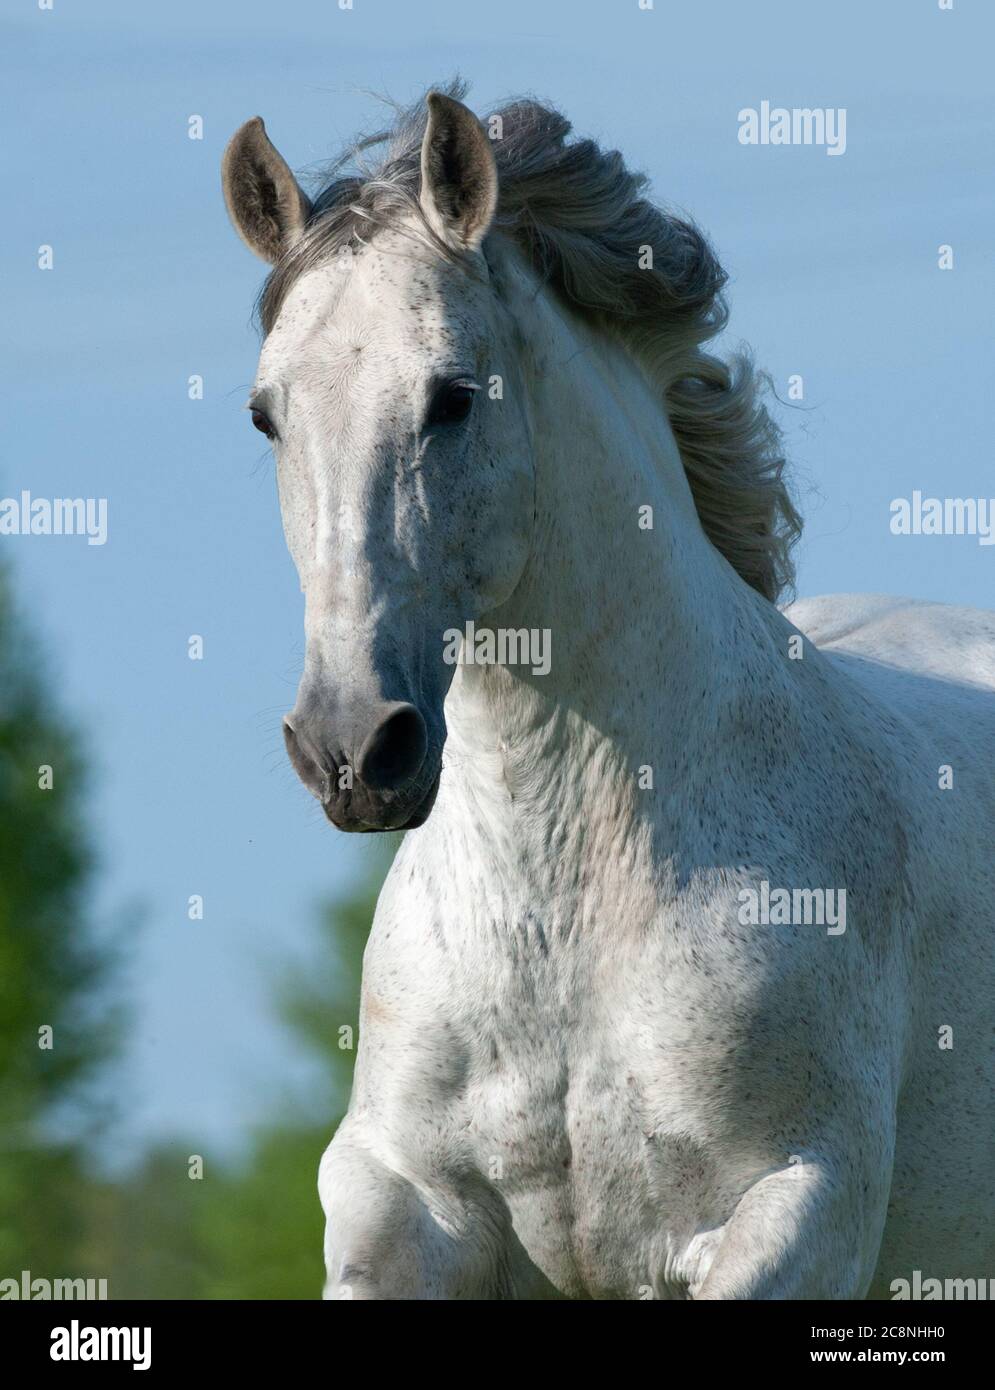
810,1231
385,1238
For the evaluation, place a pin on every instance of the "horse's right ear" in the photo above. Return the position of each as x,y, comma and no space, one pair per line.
265,203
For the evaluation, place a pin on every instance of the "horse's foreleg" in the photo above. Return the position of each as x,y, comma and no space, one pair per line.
386,1238
808,1231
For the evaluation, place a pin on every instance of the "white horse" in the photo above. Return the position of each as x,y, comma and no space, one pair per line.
660,1000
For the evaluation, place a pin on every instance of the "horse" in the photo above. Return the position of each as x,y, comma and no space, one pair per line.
680,986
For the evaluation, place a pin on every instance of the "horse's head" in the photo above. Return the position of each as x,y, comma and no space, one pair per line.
406,492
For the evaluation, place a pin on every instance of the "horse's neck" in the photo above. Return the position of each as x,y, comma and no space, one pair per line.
651,635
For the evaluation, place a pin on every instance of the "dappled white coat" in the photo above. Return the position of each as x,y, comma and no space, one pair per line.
576,1068
581,1072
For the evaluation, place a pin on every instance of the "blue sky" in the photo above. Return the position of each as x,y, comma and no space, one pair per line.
833,264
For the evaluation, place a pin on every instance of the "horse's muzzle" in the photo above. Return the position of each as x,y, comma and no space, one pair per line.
390,785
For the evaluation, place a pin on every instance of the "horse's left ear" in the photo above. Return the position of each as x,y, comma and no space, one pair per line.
459,184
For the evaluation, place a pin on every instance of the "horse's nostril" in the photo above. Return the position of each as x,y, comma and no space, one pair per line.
392,755
306,768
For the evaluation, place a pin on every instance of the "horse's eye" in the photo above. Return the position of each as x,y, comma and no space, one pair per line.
262,423
452,404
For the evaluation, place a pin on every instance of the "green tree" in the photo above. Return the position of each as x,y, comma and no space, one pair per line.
56,1031
250,1229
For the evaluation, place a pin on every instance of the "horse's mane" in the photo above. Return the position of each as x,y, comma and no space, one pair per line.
578,216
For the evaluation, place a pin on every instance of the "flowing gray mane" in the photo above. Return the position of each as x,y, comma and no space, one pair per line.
578,216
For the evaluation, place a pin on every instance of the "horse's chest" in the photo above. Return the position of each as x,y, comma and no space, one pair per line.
601,1200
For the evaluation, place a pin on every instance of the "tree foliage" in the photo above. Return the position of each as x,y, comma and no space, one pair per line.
245,1229
56,1026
